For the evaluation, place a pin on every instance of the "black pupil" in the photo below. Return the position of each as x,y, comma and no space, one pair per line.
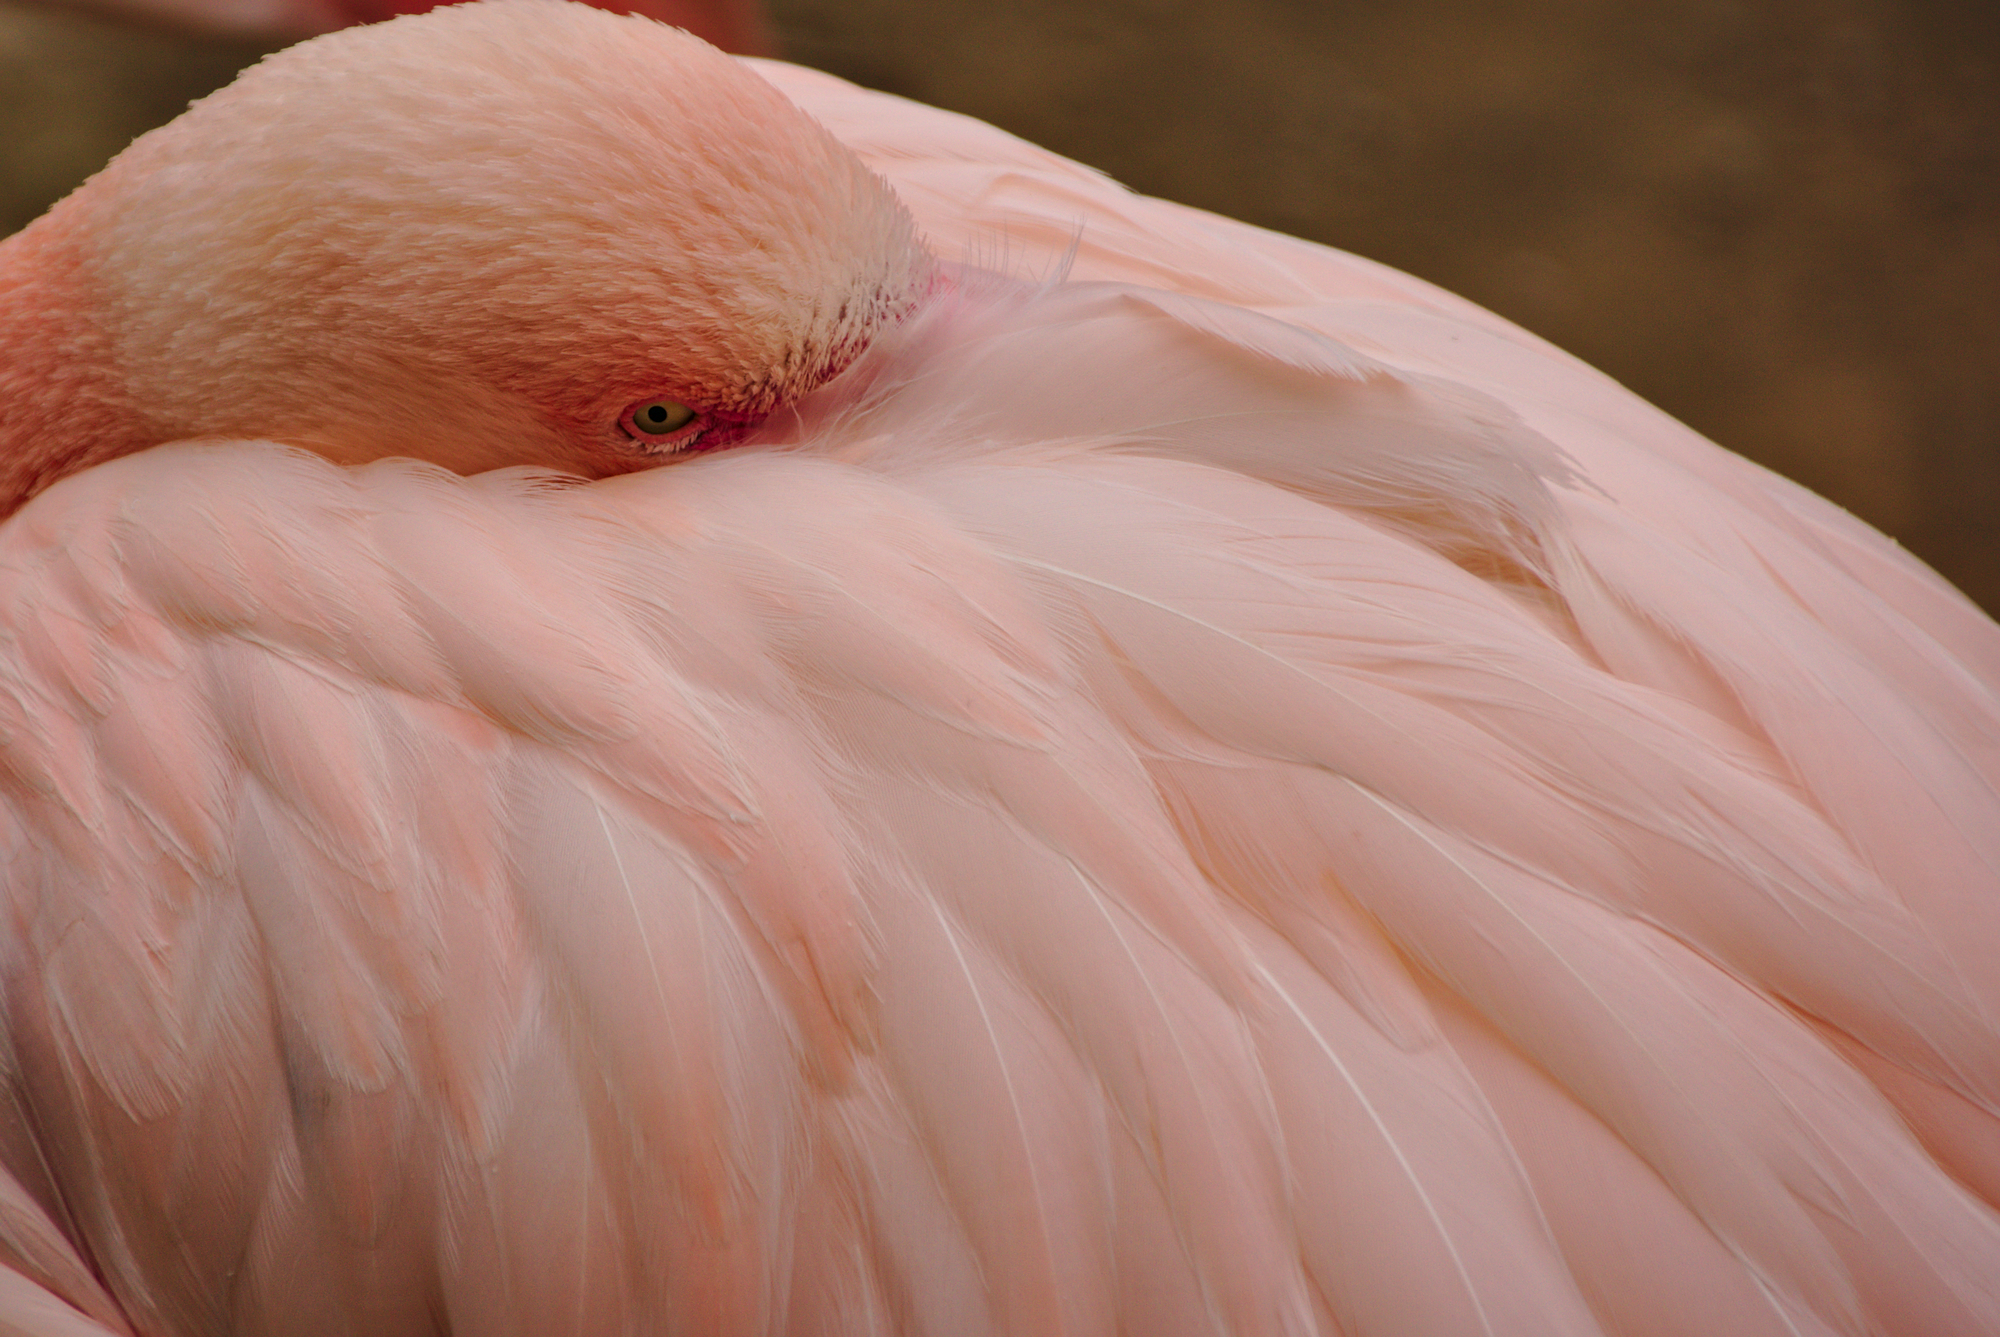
655,415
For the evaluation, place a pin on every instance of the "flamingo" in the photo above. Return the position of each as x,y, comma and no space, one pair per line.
734,25
1128,774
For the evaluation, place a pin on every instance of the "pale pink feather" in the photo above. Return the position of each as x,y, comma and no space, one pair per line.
1204,786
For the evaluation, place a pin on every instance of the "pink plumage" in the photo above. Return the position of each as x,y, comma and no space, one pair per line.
1168,780
734,25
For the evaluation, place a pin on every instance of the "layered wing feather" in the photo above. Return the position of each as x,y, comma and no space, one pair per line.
1233,794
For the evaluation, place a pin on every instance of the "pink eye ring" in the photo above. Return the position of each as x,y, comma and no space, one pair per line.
659,421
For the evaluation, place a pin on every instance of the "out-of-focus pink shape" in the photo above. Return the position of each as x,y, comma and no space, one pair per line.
737,26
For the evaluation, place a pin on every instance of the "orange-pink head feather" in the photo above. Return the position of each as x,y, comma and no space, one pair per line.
473,236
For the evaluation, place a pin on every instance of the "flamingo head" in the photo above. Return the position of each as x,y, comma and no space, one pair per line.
501,233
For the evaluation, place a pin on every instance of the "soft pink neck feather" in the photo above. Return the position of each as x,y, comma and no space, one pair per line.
60,405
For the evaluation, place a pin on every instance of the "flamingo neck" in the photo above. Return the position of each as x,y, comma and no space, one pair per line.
61,408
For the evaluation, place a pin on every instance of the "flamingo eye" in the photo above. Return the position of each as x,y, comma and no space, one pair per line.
655,421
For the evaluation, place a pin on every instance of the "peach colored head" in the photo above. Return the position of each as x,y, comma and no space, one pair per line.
485,235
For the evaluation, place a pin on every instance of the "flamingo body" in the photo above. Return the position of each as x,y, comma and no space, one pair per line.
1217,790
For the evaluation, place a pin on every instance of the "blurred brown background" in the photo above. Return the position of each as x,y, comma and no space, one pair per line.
1778,219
